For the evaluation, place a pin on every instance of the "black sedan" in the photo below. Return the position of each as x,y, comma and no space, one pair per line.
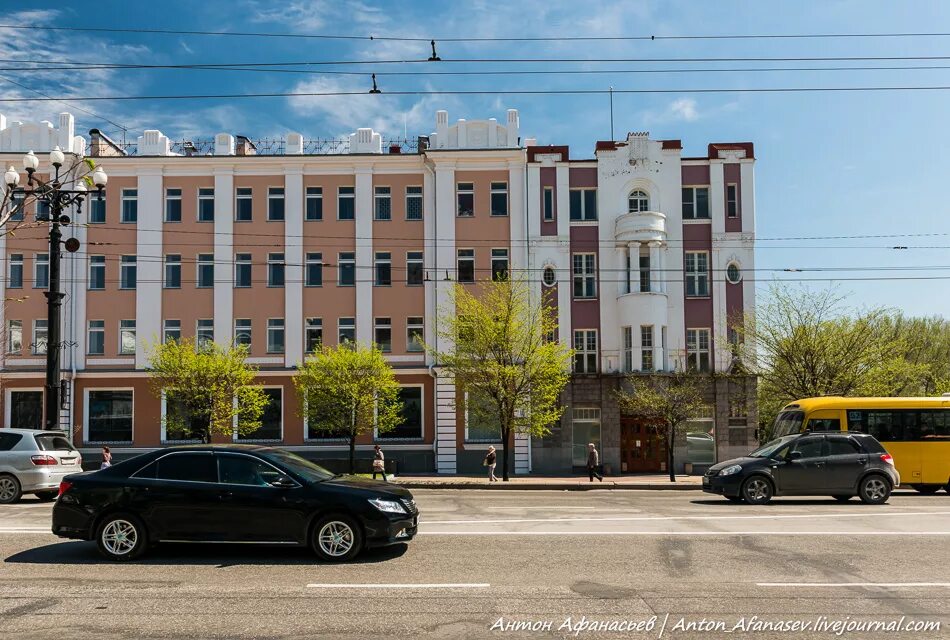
235,494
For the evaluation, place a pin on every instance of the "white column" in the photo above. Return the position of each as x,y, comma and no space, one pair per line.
516,214
522,453
364,255
223,256
293,254
428,257
747,195
534,201
563,194
148,289
656,276
446,442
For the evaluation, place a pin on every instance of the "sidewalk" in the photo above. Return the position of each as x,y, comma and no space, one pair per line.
651,481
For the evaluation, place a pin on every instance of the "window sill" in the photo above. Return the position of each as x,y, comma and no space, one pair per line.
166,222
205,221
697,220
413,219
584,223
498,215
248,220
585,299
276,220
705,297
345,219
313,219
313,286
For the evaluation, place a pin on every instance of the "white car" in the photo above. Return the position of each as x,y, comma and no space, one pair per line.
34,461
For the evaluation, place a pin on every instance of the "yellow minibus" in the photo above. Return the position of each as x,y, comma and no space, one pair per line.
915,431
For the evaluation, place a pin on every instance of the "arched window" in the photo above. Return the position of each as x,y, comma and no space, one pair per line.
639,201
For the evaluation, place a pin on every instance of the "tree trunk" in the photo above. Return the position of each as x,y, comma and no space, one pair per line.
352,452
505,431
669,453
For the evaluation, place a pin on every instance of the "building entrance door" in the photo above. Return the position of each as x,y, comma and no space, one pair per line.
641,449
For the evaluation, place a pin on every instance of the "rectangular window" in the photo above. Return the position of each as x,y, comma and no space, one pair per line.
346,203
205,267
414,265
275,269
346,269
96,338
585,424
42,211
481,423
383,334
97,211
242,332
628,349
413,203
275,204
40,337
171,331
314,270
313,335
204,333
382,204
206,205
466,265
732,202
126,337
314,204
26,412
271,420
585,275
383,268
14,336
172,205
583,205
275,335
465,198
697,274
97,273
585,351
346,330
499,264
242,270
410,427
644,269
415,335
499,198
697,349
243,204
173,271
548,204
646,347
130,205
128,272
695,203
15,275
41,271
110,416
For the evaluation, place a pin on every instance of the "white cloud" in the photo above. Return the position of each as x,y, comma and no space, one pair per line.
308,16
684,109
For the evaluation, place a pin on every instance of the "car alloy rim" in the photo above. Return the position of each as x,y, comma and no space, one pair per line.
875,489
119,537
7,489
335,538
758,490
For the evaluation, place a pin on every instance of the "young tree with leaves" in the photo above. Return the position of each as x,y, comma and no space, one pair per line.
666,403
348,390
211,385
500,350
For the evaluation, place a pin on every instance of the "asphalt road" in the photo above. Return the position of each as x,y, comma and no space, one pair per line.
534,557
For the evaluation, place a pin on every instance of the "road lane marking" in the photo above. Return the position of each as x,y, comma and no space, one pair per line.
559,507
683,533
853,584
430,585
875,514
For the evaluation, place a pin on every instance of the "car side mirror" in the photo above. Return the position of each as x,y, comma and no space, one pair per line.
795,455
283,482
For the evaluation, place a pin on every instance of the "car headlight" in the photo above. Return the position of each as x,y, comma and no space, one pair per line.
731,470
387,506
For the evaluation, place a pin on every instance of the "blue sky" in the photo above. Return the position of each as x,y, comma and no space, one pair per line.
829,164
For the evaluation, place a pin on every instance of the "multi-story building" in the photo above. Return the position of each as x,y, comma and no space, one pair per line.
286,245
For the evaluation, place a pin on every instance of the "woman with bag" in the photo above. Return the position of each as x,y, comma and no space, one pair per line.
379,464
489,462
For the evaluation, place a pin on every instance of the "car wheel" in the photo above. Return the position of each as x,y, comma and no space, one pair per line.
337,538
121,537
10,490
47,496
927,489
874,489
842,498
757,490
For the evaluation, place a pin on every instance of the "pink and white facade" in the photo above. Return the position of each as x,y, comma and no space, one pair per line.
641,249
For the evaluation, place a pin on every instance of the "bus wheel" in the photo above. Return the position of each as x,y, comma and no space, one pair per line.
927,489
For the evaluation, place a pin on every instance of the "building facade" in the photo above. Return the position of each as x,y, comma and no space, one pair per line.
287,246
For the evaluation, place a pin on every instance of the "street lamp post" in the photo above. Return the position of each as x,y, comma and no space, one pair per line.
58,195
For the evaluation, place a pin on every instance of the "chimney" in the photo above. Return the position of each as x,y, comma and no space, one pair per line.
245,147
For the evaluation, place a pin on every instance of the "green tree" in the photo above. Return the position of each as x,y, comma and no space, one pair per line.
212,386
501,351
347,391
667,403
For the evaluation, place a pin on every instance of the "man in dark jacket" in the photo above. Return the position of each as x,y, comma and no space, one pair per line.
593,463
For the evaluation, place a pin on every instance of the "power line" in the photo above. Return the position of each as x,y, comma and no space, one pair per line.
78,108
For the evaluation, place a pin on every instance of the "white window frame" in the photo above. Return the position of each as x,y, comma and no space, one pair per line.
101,265
34,349
734,201
272,196
272,262
8,402
380,261
351,325
240,261
495,189
698,351
585,352
648,349
642,199
315,194
249,329
164,431
204,197
415,325
585,218
198,331
627,338
499,255
479,441
547,213
201,260
126,195
318,322
85,416
377,324
422,416
283,400
122,351
102,330
694,217
166,263
340,263
379,195
695,274
415,196
172,198
125,264
340,197
37,262
165,328
9,340
283,329
309,262
415,261
459,258
584,275
240,197
460,191
16,259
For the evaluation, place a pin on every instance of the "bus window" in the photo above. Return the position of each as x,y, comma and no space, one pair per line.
788,422
892,426
935,424
824,424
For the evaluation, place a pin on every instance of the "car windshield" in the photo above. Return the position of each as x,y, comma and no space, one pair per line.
302,467
787,423
767,450
53,442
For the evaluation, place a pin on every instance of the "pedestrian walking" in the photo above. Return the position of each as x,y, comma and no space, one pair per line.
593,463
106,458
489,462
379,463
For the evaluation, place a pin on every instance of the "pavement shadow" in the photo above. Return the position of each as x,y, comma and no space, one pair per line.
782,501
221,555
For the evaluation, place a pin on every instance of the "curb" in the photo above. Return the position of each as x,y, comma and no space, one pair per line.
507,486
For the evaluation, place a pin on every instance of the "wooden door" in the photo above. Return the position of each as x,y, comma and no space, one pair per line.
641,449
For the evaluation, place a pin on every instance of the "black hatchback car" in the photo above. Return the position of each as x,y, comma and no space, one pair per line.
231,493
838,464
